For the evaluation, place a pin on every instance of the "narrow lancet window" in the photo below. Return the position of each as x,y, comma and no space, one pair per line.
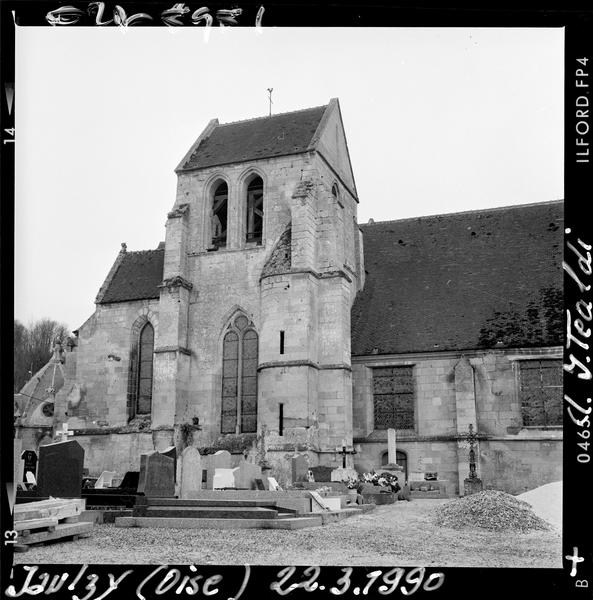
255,211
220,215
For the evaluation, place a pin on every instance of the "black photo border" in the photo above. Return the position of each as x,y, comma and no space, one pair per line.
575,578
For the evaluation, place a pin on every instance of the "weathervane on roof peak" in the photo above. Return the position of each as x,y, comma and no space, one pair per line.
270,90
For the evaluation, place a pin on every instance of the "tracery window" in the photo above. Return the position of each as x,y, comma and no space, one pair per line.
220,215
255,211
540,392
393,397
141,368
239,377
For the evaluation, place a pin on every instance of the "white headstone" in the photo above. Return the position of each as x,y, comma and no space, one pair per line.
218,460
224,478
190,472
105,480
343,474
30,478
274,486
391,447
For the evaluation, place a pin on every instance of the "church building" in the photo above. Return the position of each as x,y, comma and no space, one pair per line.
270,322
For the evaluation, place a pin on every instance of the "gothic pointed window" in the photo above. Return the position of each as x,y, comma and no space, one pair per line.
239,378
255,211
141,367
220,215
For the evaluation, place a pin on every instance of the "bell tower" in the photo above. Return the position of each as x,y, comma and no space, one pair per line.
263,260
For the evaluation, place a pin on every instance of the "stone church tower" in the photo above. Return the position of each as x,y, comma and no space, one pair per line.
263,259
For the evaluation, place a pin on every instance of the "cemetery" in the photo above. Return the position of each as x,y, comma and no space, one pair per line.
176,493
57,498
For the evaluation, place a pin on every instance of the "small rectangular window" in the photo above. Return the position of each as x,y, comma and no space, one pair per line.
281,419
282,342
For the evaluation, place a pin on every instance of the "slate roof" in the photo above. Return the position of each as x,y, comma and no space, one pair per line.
264,137
137,277
478,279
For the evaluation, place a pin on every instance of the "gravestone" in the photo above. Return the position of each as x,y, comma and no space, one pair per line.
246,474
60,469
224,478
157,475
17,465
105,480
219,460
341,474
321,473
30,478
171,452
300,467
260,484
29,458
274,485
130,481
190,472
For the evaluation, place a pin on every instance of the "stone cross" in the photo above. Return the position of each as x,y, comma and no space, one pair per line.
64,434
391,447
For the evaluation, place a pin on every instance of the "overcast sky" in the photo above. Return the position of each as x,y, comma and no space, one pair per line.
437,120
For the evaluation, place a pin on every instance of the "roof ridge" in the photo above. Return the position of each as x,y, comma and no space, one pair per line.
466,212
144,251
290,112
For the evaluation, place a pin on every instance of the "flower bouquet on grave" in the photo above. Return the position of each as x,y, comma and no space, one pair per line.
351,483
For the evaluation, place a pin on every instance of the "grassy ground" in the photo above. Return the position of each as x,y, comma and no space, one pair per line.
402,534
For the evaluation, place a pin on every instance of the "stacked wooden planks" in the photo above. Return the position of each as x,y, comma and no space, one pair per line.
46,520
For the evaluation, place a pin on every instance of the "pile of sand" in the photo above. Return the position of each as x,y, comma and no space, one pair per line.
546,502
492,510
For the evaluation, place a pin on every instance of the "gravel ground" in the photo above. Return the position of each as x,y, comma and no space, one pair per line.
401,534
546,502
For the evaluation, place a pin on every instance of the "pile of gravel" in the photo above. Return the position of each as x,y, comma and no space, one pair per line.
492,510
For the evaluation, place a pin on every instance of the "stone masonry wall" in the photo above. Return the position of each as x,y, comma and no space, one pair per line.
512,458
103,362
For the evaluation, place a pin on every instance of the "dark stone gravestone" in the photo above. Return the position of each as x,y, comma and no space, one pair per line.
171,452
322,473
30,459
60,469
157,475
300,468
259,484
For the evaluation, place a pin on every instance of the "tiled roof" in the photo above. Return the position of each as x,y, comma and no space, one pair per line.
137,277
265,137
489,278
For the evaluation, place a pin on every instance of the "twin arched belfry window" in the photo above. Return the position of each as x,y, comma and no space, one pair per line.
253,213
239,377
